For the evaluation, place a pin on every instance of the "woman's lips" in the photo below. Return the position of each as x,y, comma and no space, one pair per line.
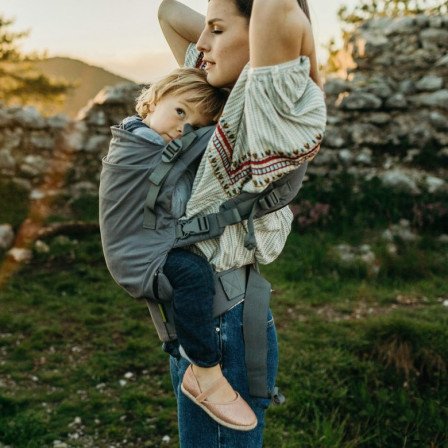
208,65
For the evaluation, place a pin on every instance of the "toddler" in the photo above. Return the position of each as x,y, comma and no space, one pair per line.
184,96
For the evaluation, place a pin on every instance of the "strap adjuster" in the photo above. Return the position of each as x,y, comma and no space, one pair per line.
270,200
195,226
172,151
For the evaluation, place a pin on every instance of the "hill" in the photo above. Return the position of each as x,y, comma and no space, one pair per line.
89,81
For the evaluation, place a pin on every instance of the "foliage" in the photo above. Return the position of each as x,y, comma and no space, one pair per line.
369,9
20,80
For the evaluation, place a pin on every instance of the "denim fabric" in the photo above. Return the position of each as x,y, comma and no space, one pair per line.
192,279
196,428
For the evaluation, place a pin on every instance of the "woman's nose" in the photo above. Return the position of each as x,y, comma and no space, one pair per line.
202,43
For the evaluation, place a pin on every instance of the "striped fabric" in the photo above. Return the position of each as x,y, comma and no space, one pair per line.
273,122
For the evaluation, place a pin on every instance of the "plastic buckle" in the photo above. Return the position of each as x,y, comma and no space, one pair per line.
195,227
172,151
269,201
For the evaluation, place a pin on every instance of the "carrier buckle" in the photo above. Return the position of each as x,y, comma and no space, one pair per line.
172,151
195,226
270,200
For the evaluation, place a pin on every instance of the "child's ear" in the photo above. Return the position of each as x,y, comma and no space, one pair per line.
152,108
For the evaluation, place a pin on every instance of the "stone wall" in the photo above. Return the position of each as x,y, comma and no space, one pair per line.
388,118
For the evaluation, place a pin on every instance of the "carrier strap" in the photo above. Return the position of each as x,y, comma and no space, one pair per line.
171,152
255,313
212,225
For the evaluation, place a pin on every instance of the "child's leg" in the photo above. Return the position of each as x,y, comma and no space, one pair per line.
192,279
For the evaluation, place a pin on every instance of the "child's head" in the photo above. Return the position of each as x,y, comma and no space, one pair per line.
183,96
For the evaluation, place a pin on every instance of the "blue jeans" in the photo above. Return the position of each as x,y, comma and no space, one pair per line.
192,279
196,428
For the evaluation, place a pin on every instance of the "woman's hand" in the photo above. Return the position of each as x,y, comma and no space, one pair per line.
280,31
180,25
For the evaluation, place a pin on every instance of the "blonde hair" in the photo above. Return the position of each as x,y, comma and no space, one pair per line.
210,100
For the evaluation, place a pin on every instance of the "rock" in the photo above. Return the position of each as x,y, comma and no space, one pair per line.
429,83
7,161
41,247
436,99
368,44
442,62
379,88
335,137
59,121
366,134
97,118
360,101
336,86
434,184
325,157
407,87
77,137
29,117
399,181
434,38
42,140
420,136
83,188
346,156
166,439
97,143
411,154
6,236
443,153
4,118
397,101
20,255
364,157
377,118
438,121
34,165
119,94
12,138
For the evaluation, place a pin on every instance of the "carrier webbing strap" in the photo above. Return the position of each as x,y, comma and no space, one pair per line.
255,314
170,154
213,225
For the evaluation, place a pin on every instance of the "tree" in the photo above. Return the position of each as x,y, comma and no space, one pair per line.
20,81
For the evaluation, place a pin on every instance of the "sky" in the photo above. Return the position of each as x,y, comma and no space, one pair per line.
124,37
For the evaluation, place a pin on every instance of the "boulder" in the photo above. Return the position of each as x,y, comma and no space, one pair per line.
6,236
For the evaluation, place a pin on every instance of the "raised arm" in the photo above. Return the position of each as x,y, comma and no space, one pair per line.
180,25
280,32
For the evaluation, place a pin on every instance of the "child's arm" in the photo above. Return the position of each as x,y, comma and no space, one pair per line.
181,25
281,32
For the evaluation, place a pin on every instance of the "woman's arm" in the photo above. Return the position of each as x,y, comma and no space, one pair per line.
181,25
280,32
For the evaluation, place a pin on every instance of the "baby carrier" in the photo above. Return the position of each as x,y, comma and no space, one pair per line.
144,189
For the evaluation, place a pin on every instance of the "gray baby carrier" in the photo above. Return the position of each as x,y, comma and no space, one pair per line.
144,189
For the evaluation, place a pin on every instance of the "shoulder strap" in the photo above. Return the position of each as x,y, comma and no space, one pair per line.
170,154
245,206
132,125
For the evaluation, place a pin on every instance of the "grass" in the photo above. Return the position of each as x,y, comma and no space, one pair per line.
363,353
358,367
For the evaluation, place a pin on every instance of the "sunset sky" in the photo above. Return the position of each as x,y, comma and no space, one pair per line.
123,37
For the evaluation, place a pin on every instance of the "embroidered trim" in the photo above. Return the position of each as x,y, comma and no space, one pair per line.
261,172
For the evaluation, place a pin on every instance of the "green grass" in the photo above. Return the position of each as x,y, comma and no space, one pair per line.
359,368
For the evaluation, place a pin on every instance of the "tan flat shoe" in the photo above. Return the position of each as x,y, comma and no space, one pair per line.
236,414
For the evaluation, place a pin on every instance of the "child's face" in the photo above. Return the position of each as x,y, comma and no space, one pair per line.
171,113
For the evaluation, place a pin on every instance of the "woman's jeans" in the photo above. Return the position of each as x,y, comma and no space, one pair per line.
196,428
192,279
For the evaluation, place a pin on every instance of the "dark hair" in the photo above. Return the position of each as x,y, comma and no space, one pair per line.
245,7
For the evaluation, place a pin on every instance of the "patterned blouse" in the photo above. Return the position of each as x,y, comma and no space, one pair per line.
272,123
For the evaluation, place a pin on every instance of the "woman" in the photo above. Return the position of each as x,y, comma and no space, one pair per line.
272,123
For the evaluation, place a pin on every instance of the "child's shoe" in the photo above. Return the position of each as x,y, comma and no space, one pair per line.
235,414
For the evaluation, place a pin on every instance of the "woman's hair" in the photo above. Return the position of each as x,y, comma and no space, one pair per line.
245,7
210,100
